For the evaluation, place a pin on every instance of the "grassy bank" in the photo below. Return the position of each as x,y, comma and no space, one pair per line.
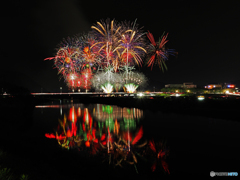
9,172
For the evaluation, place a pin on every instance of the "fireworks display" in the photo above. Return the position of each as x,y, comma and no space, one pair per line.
113,135
110,50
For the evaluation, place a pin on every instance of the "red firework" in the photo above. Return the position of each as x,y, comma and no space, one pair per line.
158,54
86,77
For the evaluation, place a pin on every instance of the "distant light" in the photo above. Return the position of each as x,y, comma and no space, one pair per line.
140,94
227,92
230,86
177,95
48,106
200,98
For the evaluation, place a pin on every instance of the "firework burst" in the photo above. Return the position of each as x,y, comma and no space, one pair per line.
89,56
132,44
107,88
107,76
158,53
67,57
107,35
110,46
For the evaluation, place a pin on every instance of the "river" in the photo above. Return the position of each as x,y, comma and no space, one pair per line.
76,140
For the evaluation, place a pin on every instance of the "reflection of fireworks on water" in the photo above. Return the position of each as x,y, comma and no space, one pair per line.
159,153
113,141
101,113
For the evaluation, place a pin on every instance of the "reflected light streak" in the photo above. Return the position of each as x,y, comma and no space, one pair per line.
48,106
61,110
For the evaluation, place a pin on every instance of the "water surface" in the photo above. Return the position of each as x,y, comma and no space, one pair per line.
111,140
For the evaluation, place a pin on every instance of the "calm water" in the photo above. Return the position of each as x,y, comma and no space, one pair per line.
113,141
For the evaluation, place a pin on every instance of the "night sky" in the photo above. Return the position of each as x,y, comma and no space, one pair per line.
205,35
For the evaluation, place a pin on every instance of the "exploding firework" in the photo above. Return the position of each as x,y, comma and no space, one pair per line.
71,80
131,88
107,35
66,59
110,47
108,76
119,43
132,79
89,57
107,88
132,44
86,76
158,53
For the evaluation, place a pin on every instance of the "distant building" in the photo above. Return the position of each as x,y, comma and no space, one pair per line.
220,86
189,85
186,85
213,86
174,86
231,86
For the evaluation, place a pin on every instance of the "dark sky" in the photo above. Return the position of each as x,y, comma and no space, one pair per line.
205,35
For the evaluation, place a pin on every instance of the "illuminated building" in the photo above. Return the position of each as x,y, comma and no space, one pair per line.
228,85
229,88
213,86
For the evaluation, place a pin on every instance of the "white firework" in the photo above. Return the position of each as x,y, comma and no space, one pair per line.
107,88
131,88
